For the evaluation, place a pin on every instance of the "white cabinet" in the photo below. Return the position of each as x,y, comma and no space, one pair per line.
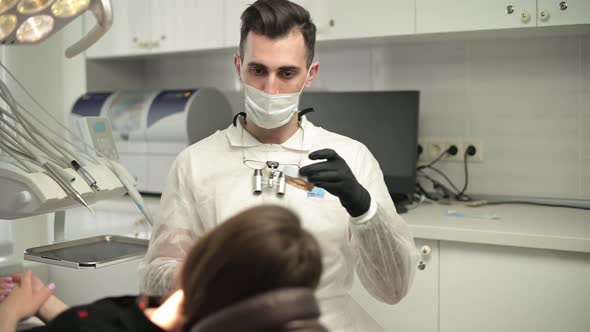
418,311
128,28
498,288
556,12
233,10
337,19
186,25
468,15
489,288
155,26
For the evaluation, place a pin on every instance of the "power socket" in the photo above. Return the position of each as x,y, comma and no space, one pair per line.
435,149
458,156
478,151
422,151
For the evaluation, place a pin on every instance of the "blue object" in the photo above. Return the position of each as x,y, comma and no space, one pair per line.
316,192
454,213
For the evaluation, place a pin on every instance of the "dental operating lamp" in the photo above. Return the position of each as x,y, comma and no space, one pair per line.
33,21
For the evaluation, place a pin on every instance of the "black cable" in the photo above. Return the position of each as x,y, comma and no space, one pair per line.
424,192
446,178
536,203
461,195
435,160
438,185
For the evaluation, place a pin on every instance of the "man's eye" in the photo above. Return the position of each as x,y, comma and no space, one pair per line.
288,74
257,71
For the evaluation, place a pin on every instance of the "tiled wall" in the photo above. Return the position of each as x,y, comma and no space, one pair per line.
526,99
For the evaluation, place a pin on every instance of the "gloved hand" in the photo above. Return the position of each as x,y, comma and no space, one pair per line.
335,176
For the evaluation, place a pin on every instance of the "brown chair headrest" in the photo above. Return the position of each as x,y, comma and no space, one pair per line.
289,309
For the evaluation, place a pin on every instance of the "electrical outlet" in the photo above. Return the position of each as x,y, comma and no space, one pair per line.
478,150
459,155
424,157
420,151
434,149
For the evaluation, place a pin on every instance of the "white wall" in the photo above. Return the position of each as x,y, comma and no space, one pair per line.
526,99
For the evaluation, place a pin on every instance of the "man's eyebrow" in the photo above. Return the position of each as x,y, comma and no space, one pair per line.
282,68
291,68
256,64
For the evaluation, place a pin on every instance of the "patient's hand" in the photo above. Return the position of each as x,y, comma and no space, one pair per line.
35,281
6,286
24,299
50,308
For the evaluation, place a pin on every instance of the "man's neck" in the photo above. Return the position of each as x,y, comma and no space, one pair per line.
273,136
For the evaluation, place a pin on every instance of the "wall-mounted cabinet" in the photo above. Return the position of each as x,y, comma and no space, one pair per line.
118,41
434,16
144,27
556,12
150,26
180,25
233,10
338,19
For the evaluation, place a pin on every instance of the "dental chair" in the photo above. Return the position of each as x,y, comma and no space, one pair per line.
284,310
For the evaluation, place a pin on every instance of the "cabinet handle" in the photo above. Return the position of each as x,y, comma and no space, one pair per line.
510,9
525,17
544,15
563,5
421,265
425,250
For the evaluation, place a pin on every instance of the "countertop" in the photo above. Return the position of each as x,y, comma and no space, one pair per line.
518,225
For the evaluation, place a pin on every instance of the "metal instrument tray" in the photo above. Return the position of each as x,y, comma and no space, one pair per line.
93,252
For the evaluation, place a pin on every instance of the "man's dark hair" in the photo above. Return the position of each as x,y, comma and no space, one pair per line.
275,19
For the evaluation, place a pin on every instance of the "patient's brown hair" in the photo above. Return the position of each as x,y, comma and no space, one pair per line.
258,250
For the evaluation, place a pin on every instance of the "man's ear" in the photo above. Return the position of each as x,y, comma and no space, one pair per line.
238,65
313,72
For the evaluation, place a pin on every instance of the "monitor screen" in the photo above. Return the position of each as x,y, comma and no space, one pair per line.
385,121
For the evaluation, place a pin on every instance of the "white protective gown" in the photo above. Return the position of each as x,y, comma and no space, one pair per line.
209,182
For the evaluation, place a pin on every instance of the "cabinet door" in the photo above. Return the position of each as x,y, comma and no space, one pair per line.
495,288
418,311
130,33
339,19
140,25
116,41
233,10
465,15
185,25
557,12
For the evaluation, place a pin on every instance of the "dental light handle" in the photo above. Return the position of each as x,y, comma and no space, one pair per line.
103,12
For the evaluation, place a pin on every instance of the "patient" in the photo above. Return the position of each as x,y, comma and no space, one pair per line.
259,250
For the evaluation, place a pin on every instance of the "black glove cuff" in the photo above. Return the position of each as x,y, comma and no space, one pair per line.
361,204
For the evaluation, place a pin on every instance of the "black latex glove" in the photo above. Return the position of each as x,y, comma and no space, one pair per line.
335,176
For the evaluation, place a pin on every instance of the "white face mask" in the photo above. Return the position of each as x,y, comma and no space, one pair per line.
271,111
